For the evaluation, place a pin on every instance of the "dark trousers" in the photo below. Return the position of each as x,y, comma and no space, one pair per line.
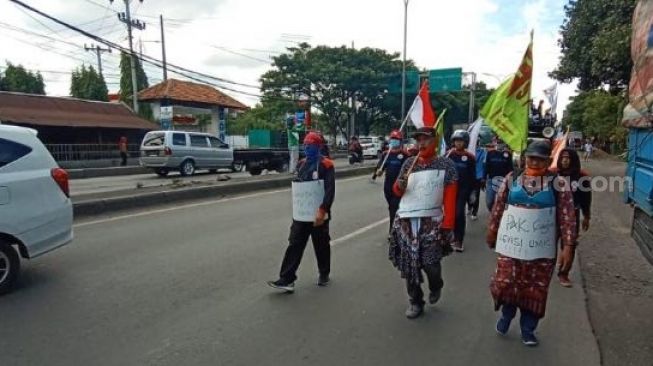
123,158
434,276
461,220
299,234
527,322
473,201
393,206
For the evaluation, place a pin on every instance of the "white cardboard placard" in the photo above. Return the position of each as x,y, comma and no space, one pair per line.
306,199
527,233
423,196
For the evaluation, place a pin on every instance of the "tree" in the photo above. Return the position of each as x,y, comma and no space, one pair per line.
17,79
597,114
126,90
86,83
268,114
334,76
595,44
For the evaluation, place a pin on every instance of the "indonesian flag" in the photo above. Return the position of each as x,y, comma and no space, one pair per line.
558,145
421,113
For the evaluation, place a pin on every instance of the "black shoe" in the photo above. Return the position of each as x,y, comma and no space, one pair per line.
281,285
323,280
414,311
434,297
529,340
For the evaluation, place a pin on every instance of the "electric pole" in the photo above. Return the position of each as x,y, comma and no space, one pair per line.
126,18
403,71
98,50
163,50
472,96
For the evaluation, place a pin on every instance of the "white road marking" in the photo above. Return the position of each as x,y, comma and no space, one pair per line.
359,231
193,205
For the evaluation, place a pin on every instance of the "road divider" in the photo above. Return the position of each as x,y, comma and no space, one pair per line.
135,201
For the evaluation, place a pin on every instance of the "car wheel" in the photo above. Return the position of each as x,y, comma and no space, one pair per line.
9,267
187,168
255,171
213,171
236,167
162,172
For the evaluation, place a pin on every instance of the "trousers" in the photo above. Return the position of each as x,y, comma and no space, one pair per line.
297,241
434,276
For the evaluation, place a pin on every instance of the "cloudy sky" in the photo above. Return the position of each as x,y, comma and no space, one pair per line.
234,39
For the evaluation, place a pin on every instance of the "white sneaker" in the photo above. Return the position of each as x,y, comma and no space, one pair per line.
473,217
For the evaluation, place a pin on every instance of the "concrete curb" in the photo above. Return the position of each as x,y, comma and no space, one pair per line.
138,201
106,172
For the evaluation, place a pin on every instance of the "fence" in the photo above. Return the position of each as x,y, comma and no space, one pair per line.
85,152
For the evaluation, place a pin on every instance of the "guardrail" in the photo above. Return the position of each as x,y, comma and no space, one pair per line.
85,152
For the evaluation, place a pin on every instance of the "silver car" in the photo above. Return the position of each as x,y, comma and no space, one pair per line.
186,152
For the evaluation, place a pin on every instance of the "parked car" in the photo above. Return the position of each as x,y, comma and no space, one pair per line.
186,152
36,214
372,146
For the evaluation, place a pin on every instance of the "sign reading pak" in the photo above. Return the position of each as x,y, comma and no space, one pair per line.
527,234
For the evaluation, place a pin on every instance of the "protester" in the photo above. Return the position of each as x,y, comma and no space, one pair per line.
498,163
523,273
124,150
421,235
390,163
569,168
588,148
313,173
466,167
474,200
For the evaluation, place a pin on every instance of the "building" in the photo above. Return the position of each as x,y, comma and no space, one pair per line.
192,106
69,121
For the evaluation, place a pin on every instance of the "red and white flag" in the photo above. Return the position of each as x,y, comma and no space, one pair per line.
421,113
559,144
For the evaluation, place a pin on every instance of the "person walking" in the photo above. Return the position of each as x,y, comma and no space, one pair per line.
474,201
421,235
313,194
124,150
394,159
589,148
465,164
498,163
524,270
569,168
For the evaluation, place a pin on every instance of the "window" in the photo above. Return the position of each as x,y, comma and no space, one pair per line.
154,139
198,141
11,151
216,143
179,139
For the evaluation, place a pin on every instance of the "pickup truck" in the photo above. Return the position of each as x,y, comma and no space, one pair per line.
638,118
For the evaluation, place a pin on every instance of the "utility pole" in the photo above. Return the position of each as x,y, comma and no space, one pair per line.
163,50
403,72
126,18
98,50
353,108
472,96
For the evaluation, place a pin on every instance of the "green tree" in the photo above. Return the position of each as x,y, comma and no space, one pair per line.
86,83
268,114
126,90
334,76
595,44
597,114
17,79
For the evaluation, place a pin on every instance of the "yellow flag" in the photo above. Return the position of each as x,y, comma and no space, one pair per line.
506,111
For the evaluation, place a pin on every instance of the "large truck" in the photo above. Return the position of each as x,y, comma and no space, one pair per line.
638,118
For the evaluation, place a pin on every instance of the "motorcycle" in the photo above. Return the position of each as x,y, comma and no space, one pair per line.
355,157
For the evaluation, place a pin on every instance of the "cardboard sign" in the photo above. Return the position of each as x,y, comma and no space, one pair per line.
306,199
423,196
527,233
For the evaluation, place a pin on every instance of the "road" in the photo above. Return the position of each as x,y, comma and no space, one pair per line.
127,182
185,285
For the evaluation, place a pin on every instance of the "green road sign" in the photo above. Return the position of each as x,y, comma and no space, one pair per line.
412,83
445,80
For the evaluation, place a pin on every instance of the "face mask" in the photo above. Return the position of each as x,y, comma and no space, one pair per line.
428,151
312,152
394,144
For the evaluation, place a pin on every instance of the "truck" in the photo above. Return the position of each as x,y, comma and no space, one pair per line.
638,118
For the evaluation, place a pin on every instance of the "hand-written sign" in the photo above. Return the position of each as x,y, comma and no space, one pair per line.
306,199
527,233
423,196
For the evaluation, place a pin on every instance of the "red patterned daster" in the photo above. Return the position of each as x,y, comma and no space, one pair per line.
525,283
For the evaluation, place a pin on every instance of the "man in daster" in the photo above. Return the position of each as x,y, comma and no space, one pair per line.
314,189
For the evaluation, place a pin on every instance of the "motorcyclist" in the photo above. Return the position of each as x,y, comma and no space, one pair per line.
356,148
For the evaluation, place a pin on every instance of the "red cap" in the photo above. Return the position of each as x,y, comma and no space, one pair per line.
313,138
396,134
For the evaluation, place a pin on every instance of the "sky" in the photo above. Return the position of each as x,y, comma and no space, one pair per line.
235,39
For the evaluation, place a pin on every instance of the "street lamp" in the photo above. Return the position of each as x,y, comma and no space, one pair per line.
403,72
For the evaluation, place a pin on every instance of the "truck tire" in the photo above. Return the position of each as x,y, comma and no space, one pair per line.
236,167
9,267
256,170
642,233
283,167
187,168
162,172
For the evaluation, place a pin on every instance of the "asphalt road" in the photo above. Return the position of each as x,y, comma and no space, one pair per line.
127,182
185,285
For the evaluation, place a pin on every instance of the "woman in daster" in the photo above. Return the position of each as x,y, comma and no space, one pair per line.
529,213
421,235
